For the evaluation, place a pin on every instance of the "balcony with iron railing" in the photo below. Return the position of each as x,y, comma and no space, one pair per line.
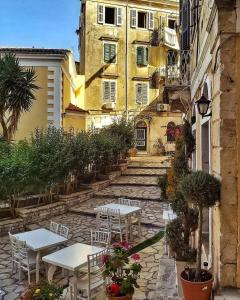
177,70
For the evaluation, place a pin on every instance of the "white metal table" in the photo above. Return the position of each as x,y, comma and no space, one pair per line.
71,258
126,211
38,240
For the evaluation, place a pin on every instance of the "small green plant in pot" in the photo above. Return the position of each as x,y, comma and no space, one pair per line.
122,272
203,191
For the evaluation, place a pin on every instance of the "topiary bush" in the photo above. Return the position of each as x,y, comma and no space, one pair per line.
202,190
179,169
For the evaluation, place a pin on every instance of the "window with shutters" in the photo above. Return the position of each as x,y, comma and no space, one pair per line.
110,53
142,56
142,19
171,23
109,15
142,93
109,91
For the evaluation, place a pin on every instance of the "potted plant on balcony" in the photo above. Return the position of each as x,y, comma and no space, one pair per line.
122,272
202,190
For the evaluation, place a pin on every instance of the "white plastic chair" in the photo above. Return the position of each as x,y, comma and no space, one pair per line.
63,231
116,225
54,227
101,238
91,285
103,222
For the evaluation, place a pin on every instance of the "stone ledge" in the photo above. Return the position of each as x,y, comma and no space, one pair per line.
12,225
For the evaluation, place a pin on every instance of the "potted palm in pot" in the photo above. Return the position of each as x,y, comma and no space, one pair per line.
203,191
121,272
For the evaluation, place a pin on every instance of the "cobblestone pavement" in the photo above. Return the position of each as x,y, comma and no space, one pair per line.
137,180
81,219
139,192
143,171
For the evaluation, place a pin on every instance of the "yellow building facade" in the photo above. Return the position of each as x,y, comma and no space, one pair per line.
124,46
60,94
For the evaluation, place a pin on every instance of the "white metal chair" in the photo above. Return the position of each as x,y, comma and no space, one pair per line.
63,231
14,250
54,227
116,225
91,285
123,201
103,222
26,259
101,238
136,218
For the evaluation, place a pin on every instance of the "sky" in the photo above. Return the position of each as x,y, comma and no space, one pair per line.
40,23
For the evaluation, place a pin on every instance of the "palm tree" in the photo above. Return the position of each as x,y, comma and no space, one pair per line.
16,93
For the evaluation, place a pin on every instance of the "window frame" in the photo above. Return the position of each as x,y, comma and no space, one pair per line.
117,9
113,43
142,83
110,81
146,50
147,12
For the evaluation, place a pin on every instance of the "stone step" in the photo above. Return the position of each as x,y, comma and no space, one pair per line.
144,172
136,180
151,193
91,212
147,166
167,298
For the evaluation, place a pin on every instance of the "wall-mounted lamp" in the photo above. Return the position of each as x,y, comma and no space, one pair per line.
203,106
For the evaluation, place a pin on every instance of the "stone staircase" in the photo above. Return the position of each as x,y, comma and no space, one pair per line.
138,182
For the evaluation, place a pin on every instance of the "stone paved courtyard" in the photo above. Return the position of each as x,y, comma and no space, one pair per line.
81,219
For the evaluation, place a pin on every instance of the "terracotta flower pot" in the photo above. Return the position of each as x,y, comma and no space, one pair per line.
196,290
128,297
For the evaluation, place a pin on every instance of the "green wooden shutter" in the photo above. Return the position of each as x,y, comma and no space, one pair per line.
109,53
140,56
145,56
112,53
106,53
133,16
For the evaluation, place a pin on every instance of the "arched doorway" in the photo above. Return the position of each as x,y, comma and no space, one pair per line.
141,136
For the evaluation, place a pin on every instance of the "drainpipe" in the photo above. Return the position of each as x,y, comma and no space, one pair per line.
126,63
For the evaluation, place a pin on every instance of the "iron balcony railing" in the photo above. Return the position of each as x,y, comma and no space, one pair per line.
177,71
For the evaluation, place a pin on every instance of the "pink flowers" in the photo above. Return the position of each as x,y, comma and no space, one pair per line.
135,257
123,245
105,258
113,289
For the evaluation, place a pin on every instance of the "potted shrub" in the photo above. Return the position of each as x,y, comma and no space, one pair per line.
202,190
42,291
122,272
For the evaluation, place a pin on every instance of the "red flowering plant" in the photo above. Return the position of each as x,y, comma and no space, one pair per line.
174,131
121,270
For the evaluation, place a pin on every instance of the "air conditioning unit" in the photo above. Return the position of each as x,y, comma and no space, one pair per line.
162,107
109,105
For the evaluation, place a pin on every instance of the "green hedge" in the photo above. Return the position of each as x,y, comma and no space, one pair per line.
53,160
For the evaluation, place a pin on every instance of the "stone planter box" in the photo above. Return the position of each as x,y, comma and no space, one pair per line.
96,186
12,225
31,215
76,198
